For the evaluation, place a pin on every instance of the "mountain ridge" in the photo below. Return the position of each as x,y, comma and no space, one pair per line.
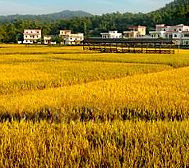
65,14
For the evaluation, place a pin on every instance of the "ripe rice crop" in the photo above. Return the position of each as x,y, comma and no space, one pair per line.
40,73
115,144
106,82
149,96
39,49
86,109
174,60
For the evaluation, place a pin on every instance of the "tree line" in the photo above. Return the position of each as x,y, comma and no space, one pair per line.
176,12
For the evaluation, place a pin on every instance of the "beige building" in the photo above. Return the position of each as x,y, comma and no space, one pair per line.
63,34
47,39
134,32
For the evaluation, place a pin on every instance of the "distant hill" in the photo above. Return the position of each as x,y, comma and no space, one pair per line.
66,14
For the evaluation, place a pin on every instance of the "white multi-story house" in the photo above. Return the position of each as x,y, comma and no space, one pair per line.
179,33
111,34
32,36
74,39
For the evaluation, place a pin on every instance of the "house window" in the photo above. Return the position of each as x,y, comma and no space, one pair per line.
175,29
175,35
180,30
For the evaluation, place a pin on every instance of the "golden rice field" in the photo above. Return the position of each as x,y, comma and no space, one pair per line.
65,107
117,144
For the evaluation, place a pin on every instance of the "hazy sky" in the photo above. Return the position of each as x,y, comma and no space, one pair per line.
9,7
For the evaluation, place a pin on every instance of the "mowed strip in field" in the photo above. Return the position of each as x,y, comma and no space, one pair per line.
146,88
